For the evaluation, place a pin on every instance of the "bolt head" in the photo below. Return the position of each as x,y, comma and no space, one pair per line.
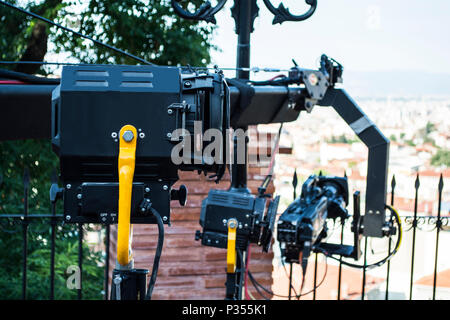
169,135
165,218
142,135
128,136
147,189
79,196
67,217
69,186
169,111
224,221
165,187
114,135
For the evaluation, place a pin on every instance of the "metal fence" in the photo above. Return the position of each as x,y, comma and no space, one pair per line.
412,223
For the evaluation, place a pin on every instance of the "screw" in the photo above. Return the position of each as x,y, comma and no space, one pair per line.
232,224
165,218
247,216
245,225
67,217
128,136
79,196
142,135
165,187
169,111
68,186
169,135
114,135
187,84
224,221
147,189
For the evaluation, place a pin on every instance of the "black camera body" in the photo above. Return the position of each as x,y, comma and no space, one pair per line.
93,103
255,216
303,224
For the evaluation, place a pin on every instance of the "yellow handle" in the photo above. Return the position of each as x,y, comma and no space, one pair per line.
231,246
127,160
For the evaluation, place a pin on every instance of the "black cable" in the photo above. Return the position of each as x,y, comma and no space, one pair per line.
380,262
32,14
255,282
158,252
8,74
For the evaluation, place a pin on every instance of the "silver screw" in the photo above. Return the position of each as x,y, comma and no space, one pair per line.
128,136
224,221
147,189
67,217
245,225
169,111
79,196
233,224
114,135
165,218
165,187
169,135
142,135
247,216
69,186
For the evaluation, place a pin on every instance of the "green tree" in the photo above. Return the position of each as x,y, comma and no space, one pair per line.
441,158
148,29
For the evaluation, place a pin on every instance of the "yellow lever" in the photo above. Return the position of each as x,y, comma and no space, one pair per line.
127,160
231,246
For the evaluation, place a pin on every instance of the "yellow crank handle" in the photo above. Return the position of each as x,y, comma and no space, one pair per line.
127,160
231,246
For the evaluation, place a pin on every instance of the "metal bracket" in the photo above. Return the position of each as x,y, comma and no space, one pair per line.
282,14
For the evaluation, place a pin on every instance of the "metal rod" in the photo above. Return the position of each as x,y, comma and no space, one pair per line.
363,292
26,185
52,253
315,277
340,264
438,228
388,269
417,184
107,245
80,259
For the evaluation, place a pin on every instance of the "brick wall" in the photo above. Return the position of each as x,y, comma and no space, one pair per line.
187,269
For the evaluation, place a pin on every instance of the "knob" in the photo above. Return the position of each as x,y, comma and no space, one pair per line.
180,195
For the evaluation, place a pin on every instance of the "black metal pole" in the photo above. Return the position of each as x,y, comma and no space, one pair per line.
244,13
388,270
107,244
290,280
26,186
416,186
80,259
52,252
363,291
438,228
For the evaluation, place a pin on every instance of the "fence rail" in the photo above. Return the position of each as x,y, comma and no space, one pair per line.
412,223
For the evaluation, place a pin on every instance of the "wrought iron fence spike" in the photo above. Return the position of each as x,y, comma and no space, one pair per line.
417,183
441,183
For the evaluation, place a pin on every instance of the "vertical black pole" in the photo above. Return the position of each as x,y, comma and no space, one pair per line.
340,263
315,277
52,252
438,228
363,293
107,231
80,259
417,185
388,271
26,186
244,14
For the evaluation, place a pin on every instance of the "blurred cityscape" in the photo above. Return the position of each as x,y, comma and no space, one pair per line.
419,131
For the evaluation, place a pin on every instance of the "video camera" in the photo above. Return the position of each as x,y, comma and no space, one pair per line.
303,225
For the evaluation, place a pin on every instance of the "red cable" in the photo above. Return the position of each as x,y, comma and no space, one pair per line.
11,82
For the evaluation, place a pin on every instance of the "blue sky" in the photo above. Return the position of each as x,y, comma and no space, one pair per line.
372,35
